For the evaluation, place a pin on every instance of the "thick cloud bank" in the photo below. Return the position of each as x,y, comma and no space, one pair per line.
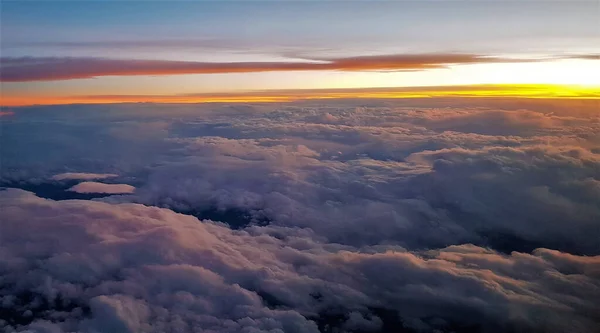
132,268
358,216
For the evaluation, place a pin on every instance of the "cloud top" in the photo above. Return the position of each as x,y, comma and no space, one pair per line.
128,267
347,215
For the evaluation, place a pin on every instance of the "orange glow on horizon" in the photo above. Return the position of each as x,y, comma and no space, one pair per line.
467,91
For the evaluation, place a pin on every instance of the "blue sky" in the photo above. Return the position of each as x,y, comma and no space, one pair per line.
483,26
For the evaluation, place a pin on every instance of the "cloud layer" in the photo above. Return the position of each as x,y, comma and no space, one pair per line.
50,69
133,268
360,216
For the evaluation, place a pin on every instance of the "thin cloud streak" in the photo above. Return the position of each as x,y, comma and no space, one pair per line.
56,68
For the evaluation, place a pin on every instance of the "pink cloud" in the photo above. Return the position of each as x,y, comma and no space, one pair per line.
95,187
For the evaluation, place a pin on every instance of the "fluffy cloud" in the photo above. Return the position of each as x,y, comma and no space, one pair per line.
376,216
419,178
95,267
95,187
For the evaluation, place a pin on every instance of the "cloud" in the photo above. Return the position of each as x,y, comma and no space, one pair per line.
421,177
482,174
202,43
446,214
95,187
92,266
504,192
54,68
82,176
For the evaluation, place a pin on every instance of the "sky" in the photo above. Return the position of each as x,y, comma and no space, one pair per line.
55,52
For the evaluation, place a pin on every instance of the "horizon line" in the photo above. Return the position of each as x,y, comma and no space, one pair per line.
528,91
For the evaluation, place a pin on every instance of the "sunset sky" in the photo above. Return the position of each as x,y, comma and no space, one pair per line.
190,51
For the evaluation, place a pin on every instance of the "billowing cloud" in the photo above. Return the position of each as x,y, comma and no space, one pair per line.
95,187
90,266
345,215
49,69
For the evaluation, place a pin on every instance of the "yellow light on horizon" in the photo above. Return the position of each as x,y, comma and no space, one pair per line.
570,78
530,91
559,72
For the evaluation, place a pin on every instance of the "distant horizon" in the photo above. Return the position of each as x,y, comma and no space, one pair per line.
529,91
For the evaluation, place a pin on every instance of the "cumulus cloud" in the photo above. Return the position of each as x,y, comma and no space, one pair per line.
380,215
131,268
82,176
419,177
95,187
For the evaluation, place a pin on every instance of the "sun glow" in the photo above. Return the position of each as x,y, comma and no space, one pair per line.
539,91
560,72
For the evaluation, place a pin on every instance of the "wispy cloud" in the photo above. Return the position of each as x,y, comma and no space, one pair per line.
56,68
82,176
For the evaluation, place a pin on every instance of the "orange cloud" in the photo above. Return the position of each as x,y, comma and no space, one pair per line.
50,69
